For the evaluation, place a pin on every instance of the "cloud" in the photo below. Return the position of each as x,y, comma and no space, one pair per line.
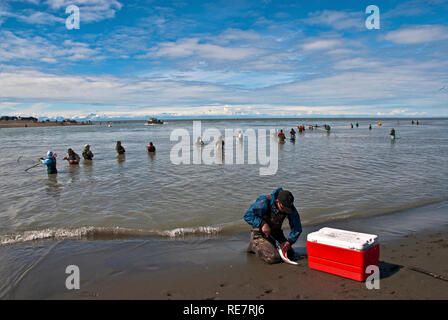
90,11
188,47
237,35
338,20
35,86
357,86
242,79
38,17
418,34
321,44
32,49
36,2
4,12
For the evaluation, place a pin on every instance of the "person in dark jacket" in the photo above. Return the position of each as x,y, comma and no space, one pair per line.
119,148
50,162
392,134
151,147
87,153
292,132
266,216
73,157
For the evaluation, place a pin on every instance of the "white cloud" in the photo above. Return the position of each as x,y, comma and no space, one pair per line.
36,2
31,85
38,17
358,63
192,47
14,47
418,34
237,35
90,11
321,44
338,20
400,86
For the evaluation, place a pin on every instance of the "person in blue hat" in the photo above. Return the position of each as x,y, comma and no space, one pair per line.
50,162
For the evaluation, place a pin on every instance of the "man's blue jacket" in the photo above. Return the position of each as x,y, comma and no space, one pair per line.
51,165
262,205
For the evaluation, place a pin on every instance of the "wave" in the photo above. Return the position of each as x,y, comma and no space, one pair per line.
109,233
105,233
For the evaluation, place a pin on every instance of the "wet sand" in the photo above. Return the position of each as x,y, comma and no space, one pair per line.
257,280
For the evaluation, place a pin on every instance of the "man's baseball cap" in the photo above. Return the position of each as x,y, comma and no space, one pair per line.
287,200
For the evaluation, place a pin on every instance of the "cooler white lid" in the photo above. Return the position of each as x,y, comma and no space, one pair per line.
343,239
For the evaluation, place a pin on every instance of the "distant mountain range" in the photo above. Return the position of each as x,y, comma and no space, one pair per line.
165,116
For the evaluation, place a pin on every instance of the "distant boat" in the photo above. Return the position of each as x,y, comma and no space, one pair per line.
153,121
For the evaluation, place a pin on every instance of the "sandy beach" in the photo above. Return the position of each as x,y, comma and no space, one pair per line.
256,280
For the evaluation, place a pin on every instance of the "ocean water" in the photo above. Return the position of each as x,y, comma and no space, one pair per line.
348,173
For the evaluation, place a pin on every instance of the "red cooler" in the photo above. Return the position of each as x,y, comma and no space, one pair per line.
343,253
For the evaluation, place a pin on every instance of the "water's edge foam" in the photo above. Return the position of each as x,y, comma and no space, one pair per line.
108,233
103,233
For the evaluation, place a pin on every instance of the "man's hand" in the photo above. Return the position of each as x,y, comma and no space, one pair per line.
286,246
266,229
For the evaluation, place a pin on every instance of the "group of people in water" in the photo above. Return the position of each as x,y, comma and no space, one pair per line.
73,158
301,128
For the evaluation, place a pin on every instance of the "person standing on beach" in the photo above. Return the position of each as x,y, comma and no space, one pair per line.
266,216
119,148
87,153
50,162
73,157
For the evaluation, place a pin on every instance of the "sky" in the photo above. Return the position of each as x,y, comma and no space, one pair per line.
233,58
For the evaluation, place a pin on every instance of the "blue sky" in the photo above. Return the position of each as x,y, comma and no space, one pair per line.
134,59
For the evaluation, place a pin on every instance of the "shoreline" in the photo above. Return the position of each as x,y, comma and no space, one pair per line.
28,124
219,267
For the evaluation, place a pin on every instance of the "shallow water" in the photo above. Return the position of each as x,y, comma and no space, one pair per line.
349,173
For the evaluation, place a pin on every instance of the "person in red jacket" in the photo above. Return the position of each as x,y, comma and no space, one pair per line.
281,136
